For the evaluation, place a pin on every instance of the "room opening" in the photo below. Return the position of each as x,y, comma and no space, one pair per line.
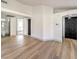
70,27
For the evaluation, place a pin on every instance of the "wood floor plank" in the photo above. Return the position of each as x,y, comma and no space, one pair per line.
31,48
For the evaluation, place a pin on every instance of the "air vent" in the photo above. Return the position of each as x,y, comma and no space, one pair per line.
4,1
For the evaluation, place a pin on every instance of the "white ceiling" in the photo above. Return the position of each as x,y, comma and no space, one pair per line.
52,3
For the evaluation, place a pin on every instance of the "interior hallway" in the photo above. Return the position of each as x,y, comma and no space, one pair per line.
30,48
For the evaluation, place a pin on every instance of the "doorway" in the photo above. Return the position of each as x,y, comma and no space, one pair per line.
29,26
23,26
70,27
20,28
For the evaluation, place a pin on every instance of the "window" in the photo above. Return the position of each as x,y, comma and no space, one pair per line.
20,26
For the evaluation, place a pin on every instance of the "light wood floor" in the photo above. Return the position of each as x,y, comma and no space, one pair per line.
31,48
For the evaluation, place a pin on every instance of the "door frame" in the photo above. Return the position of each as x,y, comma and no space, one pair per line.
63,23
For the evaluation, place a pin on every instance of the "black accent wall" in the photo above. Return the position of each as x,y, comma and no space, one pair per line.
71,27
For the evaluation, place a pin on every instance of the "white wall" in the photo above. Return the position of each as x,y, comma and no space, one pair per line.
47,23
42,22
37,23
58,17
13,26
